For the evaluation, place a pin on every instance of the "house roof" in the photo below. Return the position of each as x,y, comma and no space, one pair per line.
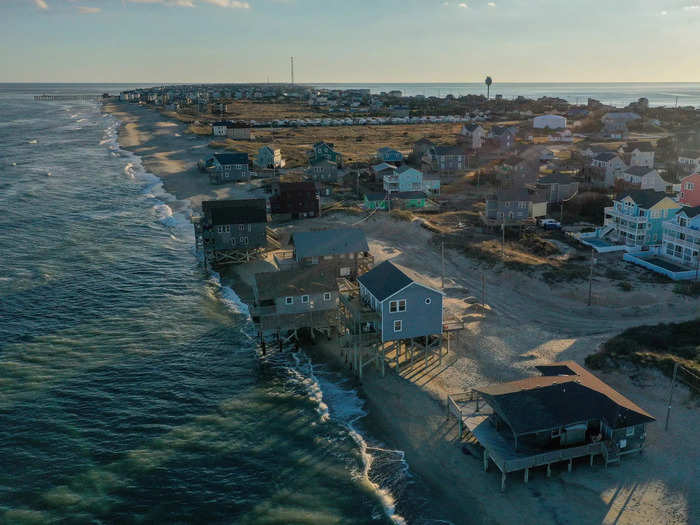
386,149
470,127
606,156
383,166
642,198
500,130
565,394
598,149
384,280
379,196
231,158
322,162
405,168
237,211
690,154
329,242
638,171
519,194
272,285
623,116
555,178
690,211
448,150
424,141
321,143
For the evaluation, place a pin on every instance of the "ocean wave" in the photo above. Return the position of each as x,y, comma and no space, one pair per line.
228,296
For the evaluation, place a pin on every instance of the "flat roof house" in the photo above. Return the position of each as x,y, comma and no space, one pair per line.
407,307
565,413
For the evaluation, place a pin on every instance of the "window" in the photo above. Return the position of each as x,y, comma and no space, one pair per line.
397,306
304,299
241,227
326,296
220,229
250,227
233,241
428,300
244,240
288,300
629,431
398,326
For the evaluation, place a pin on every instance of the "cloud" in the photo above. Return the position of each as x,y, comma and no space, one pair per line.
691,7
491,4
664,13
85,10
41,4
235,4
463,5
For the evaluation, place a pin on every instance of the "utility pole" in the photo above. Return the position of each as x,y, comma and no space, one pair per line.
670,396
443,264
590,278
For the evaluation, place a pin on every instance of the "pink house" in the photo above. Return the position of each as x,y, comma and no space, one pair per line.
690,190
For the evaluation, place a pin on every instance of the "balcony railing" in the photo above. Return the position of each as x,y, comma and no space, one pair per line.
612,211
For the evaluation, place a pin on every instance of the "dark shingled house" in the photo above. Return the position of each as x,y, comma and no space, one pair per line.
345,249
295,200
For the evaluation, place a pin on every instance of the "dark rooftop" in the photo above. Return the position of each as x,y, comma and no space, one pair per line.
642,198
272,285
241,211
329,242
231,158
384,280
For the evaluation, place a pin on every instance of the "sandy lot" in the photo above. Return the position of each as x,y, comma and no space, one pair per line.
527,323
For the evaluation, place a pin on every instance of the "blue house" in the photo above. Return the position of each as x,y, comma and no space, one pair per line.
389,155
324,151
407,308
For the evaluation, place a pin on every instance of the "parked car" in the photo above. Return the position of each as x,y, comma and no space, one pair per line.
550,224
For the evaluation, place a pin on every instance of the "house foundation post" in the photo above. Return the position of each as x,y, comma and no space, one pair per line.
527,474
571,462
591,460
486,460
503,481
549,470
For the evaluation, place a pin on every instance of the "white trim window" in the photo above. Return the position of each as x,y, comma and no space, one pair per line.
629,431
397,306
244,241
398,325
289,300
304,299
326,296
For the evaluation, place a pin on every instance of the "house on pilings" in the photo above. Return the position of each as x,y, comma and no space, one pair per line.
564,414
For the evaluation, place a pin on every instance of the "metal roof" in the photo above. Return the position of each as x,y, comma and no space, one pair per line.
240,211
272,285
384,280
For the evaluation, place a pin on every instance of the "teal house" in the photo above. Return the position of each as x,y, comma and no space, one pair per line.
324,151
399,200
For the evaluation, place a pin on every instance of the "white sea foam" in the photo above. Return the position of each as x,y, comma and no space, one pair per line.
228,296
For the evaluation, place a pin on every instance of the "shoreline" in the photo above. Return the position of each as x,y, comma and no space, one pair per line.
407,413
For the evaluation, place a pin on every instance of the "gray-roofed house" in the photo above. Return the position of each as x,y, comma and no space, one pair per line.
472,135
610,165
565,413
269,157
638,154
641,177
228,167
448,159
387,154
558,187
299,298
514,206
323,170
344,249
231,231
407,307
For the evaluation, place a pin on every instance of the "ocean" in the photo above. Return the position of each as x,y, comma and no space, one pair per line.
131,388
614,93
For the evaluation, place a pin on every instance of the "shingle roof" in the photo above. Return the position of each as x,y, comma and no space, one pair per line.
641,146
566,394
606,156
638,171
642,198
240,211
448,150
272,285
690,212
555,178
329,242
384,280
231,158
383,166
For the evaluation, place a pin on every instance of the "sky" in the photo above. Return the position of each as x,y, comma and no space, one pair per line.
169,41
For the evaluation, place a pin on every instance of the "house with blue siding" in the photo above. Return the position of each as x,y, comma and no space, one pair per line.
324,151
407,308
228,167
634,221
389,155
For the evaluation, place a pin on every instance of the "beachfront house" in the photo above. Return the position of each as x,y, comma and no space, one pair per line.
389,155
563,414
294,299
324,151
690,190
269,157
549,122
408,308
345,250
557,187
514,206
609,164
638,154
231,231
295,200
228,167
634,221
472,135
641,177
689,161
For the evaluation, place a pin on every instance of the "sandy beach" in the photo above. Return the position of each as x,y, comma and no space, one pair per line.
527,323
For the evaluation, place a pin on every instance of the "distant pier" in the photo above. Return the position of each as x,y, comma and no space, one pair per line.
70,97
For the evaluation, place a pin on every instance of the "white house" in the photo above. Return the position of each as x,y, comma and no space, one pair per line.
610,164
640,154
549,122
218,129
473,135
689,161
646,178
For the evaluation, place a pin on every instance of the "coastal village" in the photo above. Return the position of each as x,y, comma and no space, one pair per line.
478,264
